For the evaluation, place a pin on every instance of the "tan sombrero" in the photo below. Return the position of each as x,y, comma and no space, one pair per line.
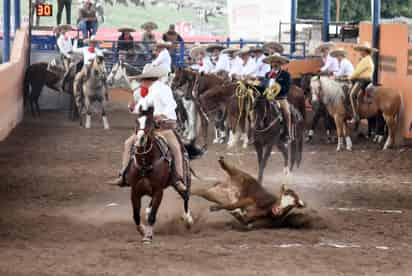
149,26
126,30
91,40
277,47
365,46
243,51
196,50
324,46
339,52
164,44
150,72
212,47
276,58
257,49
63,28
230,50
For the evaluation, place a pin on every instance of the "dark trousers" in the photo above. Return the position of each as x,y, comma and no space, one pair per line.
61,4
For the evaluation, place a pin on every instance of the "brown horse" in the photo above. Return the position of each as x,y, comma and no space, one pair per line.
385,101
151,172
37,76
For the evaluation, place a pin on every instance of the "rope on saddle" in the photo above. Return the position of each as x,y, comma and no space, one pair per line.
272,92
246,97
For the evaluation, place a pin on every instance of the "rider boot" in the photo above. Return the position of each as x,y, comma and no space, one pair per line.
177,152
284,104
353,95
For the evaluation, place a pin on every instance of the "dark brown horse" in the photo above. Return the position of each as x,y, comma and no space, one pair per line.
151,172
37,76
270,129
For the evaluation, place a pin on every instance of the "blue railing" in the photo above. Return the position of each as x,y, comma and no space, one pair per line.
179,55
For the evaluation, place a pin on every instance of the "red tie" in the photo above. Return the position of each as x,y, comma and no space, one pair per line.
91,49
200,63
273,75
144,91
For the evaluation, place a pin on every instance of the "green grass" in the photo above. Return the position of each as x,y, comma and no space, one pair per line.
132,16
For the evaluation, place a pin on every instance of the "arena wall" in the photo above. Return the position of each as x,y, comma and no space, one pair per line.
395,68
11,79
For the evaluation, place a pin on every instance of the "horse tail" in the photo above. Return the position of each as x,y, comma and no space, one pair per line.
27,96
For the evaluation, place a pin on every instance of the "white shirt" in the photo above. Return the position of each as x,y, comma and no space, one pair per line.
345,68
262,68
235,66
87,55
65,45
243,70
164,60
160,96
331,64
223,64
207,66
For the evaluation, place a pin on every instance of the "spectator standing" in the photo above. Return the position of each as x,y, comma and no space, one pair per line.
61,4
87,20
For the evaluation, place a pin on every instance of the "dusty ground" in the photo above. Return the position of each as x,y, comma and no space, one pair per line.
58,217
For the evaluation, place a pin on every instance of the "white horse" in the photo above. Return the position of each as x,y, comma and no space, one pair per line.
331,94
118,76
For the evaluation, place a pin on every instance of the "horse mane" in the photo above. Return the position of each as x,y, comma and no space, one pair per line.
332,91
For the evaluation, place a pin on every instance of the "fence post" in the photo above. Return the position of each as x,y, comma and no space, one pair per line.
16,15
241,43
376,14
293,16
6,31
181,61
326,20
228,42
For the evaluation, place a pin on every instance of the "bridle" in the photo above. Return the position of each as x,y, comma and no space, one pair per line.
274,121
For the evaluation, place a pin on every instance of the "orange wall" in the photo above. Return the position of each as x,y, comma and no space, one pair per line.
297,67
11,79
393,45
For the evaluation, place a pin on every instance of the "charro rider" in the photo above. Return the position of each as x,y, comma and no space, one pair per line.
261,68
363,74
330,64
214,50
203,63
163,58
278,76
65,45
244,67
345,66
155,93
89,53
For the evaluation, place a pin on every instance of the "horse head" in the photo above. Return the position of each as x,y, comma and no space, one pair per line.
145,125
315,89
96,70
288,200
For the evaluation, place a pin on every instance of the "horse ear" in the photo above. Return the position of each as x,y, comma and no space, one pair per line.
283,188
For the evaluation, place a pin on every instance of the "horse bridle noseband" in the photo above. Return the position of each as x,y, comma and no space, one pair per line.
274,122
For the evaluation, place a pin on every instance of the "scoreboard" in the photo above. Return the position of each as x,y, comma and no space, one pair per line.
44,9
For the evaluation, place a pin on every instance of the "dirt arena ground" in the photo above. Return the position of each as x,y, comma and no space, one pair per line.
59,217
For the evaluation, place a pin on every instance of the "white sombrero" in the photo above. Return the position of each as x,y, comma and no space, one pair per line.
213,47
149,26
324,46
276,58
126,30
243,51
164,44
196,50
230,50
277,47
150,72
338,52
92,40
365,46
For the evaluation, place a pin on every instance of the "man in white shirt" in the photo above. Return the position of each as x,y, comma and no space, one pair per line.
330,64
244,67
155,93
64,43
214,50
163,58
203,62
261,68
345,66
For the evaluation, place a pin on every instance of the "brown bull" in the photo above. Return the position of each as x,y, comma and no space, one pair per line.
247,200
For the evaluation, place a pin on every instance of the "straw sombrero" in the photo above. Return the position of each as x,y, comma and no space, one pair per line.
276,58
243,51
277,47
213,47
126,30
365,46
150,72
164,44
324,46
230,50
63,28
91,40
149,26
196,50
338,52
257,49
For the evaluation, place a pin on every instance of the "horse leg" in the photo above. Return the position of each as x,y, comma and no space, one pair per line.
104,118
87,103
380,129
265,157
348,140
391,123
136,204
148,233
259,153
284,150
339,131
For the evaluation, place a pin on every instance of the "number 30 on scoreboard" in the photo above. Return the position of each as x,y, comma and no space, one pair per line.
44,10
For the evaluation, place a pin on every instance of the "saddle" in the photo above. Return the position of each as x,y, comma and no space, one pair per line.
366,95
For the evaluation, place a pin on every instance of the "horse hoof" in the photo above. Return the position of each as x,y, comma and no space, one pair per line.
188,220
147,240
140,229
